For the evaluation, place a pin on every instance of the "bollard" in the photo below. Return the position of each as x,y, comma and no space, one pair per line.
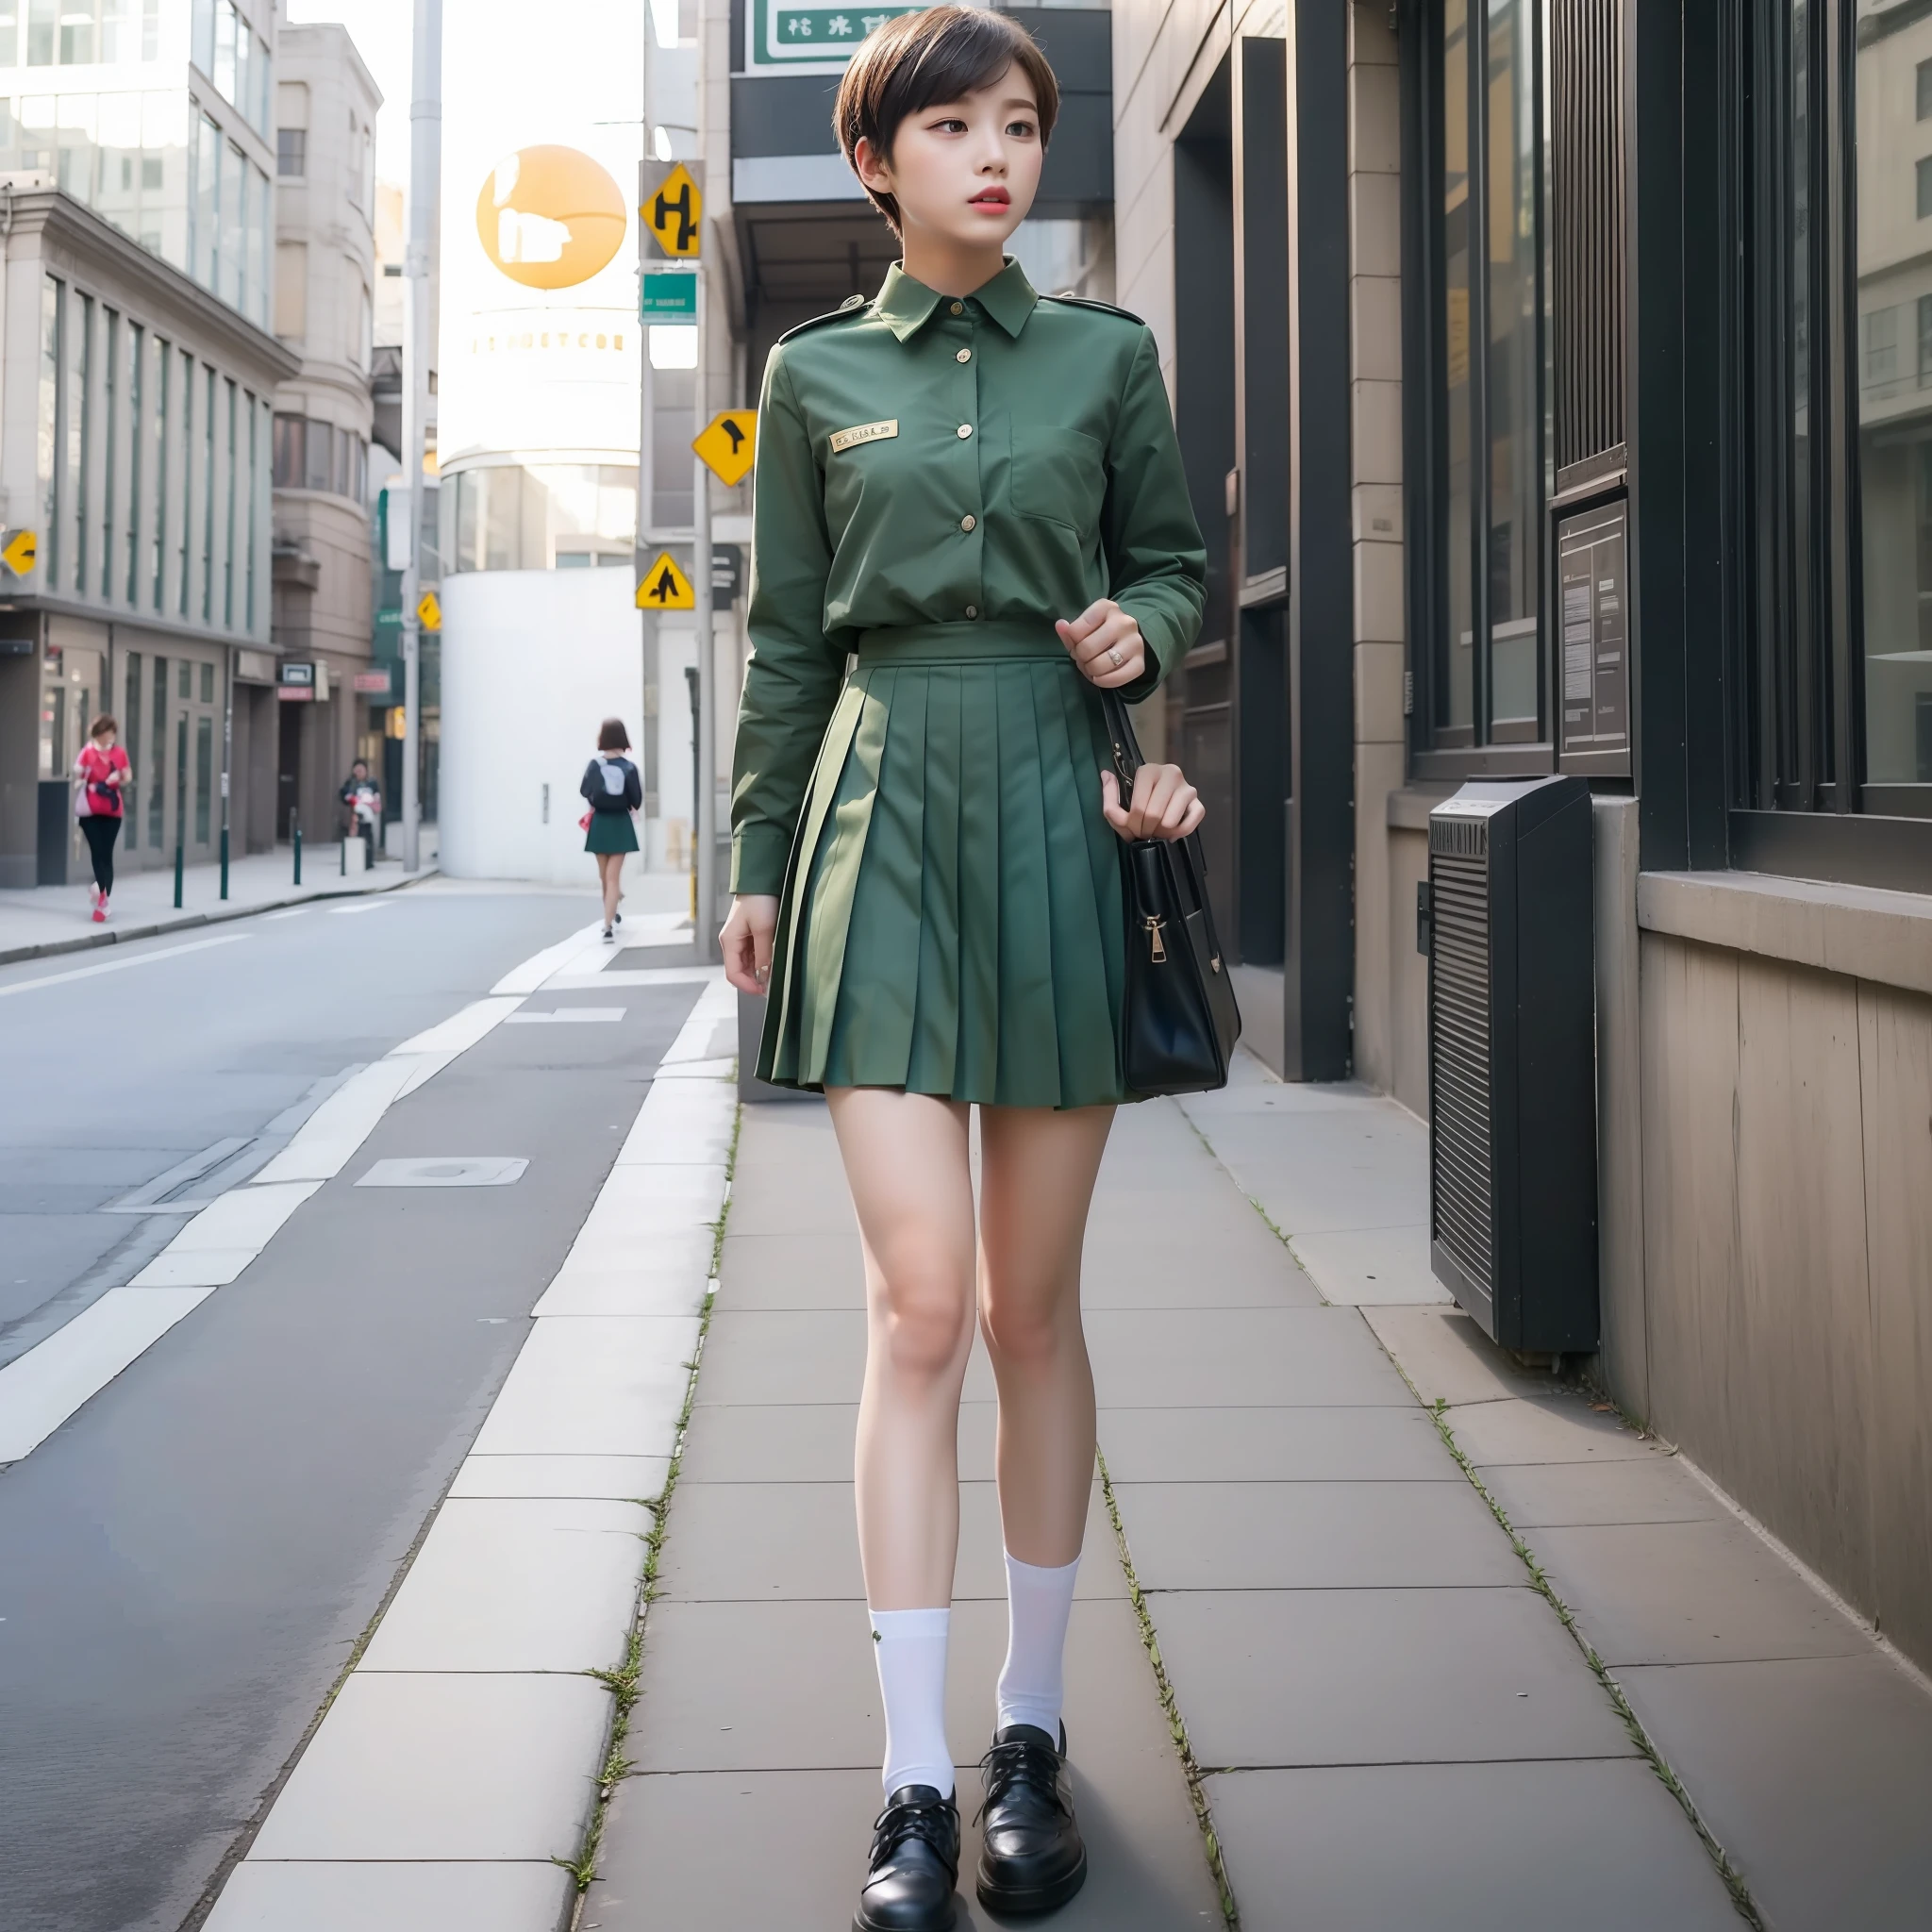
225,861
295,837
345,856
177,869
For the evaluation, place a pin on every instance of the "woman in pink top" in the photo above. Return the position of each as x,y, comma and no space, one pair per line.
100,772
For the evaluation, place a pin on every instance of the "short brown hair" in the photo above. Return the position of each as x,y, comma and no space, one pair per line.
103,722
613,737
921,60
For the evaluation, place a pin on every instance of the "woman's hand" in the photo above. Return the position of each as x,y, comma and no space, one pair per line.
746,940
1164,804
1105,643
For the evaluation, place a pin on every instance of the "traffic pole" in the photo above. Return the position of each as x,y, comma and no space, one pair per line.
228,758
707,933
426,155
181,804
295,837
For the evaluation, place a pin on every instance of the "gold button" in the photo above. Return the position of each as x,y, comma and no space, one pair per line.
967,523
958,308
963,355
965,430
972,610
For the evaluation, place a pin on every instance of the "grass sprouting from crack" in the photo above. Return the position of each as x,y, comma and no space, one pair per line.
1745,1906
1197,1791
622,1681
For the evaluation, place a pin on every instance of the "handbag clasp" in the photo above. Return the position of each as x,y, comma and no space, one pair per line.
1156,951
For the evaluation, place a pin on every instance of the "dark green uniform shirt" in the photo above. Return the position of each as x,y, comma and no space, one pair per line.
925,460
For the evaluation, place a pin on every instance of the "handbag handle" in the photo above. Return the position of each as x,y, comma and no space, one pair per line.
1126,746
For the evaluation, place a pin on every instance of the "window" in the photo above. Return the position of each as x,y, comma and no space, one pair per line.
157,758
1923,81
1924,168
201,39
185,365
208,166
75,427
231,282
1925,364
1881,347
318,456
43,24
77,35
204,768
207,508
111,440
137,442
10,33
53,314
136,693
228,543
157,547
291,289
254,479
292,153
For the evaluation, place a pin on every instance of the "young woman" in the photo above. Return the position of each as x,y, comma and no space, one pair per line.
612,789
975,489
100,772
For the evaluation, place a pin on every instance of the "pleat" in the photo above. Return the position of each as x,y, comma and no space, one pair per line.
932,1058
975,1063
1029,1060
870,1039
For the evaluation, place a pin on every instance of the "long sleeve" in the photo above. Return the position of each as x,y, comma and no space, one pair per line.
793,680
1156,563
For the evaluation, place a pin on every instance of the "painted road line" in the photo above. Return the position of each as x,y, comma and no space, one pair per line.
227,939
568,1016
224,1237
327,1140
39,1389
471,1672
527,977
614,976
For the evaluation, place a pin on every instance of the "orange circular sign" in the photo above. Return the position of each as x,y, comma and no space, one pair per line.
550,217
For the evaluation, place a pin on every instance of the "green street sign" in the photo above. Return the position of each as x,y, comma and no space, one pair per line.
807,36
668,296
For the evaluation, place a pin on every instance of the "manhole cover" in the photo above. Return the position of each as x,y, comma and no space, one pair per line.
448,1171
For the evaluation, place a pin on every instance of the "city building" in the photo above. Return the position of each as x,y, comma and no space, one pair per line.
335,705
136,416
1553,379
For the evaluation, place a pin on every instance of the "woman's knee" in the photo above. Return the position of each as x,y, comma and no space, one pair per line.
923,1311
1033,1325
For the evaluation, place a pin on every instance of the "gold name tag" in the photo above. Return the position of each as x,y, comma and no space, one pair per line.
866,432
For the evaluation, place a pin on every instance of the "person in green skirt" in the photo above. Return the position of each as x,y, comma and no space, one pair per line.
613,791
970,516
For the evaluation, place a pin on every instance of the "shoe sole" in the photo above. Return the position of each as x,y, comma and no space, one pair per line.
1046,1898
861,1924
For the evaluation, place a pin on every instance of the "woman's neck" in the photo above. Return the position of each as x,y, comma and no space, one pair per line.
948,267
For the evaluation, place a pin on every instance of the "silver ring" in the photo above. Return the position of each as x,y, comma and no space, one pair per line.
1114,651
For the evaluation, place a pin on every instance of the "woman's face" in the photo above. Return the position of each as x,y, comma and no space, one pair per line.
103,741
965,171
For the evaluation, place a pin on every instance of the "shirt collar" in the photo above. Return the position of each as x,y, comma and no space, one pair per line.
906,304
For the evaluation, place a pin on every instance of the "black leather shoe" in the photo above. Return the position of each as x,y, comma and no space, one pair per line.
1032,1859
915,1865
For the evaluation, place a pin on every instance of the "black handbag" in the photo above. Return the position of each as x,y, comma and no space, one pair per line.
1178,1019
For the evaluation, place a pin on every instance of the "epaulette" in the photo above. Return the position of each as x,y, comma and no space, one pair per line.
1105,308
844,311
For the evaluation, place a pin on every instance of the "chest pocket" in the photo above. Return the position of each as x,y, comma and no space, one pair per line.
1059,476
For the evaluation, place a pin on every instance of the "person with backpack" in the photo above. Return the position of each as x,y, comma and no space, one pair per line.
614,791
99,774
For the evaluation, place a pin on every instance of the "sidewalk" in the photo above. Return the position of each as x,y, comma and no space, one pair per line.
57,918
1389,1720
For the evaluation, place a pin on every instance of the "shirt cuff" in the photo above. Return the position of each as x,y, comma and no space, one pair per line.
758,857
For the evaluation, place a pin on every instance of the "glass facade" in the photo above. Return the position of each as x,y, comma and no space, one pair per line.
548,516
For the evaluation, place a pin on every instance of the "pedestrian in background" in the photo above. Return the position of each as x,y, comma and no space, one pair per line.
99,773
925,874
362,801
615,792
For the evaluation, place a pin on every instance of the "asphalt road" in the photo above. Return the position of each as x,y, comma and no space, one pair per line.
186,1564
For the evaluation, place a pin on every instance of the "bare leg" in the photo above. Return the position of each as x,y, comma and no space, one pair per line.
609,865
907,1159
1038,1169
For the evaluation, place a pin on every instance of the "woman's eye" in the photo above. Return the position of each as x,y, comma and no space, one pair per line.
1023,129
949,127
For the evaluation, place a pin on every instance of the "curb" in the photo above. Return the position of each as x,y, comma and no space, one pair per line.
86,942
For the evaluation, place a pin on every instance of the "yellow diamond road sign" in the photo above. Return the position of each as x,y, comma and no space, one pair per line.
726,443
674,211
429,612
665,587
19,549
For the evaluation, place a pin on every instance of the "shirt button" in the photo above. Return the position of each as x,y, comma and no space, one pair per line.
958,308
972,610
965,430
967,523
963,355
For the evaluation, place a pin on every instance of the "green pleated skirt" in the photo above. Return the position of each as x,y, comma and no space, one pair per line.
951,917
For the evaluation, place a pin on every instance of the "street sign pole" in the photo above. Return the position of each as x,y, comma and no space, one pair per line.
426,155
707,935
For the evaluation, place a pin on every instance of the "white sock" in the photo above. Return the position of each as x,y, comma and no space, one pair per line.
911,1649
1039,1602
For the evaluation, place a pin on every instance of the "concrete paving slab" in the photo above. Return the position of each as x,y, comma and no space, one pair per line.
804,1442
1593,1846
1329,1169
617,1478
1219,1255
1147,1870
593,1386
1813,1775
241,1218
759,1543
791,1686
675,1287
798,1354
194,1268
1705,1592
1379,1677
790,1270
503,1584
1253,1089
445,1767
682,1122
678,1191
1372,1267
1449,1359
1551,1428
315,1897
1197,1358
1658,1489
1261,1445
1312,1536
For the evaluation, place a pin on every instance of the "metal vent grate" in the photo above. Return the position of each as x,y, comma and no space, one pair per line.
1462,1201
1587,231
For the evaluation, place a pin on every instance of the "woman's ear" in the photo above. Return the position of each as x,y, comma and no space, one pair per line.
871,170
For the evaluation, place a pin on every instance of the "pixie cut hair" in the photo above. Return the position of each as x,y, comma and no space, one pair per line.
921,60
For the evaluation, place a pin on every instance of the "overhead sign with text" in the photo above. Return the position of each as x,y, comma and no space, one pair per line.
791,36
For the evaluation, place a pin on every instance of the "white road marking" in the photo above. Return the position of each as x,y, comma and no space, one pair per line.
349,911
293,912
227,939
563,1016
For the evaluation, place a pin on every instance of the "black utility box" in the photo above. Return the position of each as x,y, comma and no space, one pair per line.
1512,1060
